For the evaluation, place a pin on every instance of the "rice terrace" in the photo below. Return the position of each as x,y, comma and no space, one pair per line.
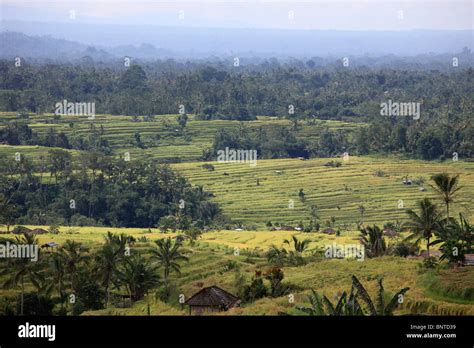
177,164
317,201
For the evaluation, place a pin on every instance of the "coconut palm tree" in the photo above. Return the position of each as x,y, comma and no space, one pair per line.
118,240
373,241
139,276
447,187
106,261
56,274
277,256
74,254
300,246
24,269
167,254
424,223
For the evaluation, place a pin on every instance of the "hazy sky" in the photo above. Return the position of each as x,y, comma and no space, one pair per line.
309,14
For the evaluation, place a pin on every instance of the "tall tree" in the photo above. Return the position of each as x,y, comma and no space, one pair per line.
74,254
446,186
424,223
139,276
24,269
373,241
168,255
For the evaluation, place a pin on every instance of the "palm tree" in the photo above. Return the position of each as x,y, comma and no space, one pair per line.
120,241
379,308
57,274
168,254
139,276
276,256
300,246
446,186
106,261
424,223
23,269
373,241
74,255
455,236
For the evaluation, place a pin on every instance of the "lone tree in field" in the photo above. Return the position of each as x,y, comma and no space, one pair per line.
168,254
372,240
361,209
424,223
446,186
300,246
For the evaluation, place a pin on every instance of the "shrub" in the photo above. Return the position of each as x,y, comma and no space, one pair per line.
81,220
89,292
34,304
379,173
230,265
208,167
275,276
334,164
403,249
53,229
255,290
429,263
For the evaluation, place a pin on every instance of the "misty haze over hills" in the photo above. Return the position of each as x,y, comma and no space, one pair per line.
186,42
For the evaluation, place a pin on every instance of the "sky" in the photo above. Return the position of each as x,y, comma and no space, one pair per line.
379,15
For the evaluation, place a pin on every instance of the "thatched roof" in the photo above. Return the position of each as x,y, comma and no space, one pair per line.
213,296
26,230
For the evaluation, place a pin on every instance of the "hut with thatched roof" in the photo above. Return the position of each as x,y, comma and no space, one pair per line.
211,299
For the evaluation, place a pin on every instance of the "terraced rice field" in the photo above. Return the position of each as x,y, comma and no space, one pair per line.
336,192
161,136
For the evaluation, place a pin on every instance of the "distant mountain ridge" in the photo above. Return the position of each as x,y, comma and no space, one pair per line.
187,42
14,44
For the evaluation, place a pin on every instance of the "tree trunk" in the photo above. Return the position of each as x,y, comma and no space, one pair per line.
428,246
107,295
447,211
22,294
